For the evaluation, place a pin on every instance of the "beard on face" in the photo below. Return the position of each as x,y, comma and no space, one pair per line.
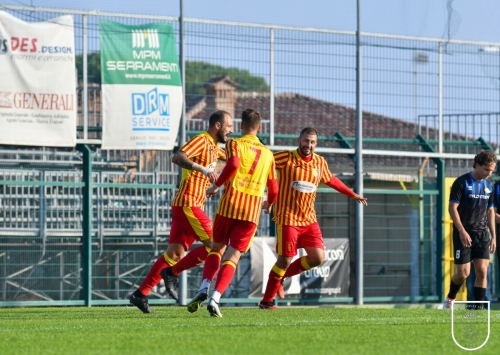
301,148
221,136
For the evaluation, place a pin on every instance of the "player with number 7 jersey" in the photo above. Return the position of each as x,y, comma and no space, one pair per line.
244,191
250,168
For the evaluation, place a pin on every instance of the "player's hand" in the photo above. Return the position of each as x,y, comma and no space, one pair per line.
493,245
212,191
360,199
465,239
212,176
267,207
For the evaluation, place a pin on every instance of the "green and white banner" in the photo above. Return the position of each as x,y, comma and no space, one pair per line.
141,86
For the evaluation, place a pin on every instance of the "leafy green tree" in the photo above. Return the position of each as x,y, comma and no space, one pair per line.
197,74
93,67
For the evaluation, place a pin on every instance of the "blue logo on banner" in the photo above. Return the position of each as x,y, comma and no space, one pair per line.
151,111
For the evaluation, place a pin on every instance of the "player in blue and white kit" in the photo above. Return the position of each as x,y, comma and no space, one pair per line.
472,211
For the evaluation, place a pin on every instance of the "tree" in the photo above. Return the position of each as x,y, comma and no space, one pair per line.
93,67
197,74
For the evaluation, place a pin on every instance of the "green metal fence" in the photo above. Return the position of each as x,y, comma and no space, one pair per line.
44,258
52,201
44,228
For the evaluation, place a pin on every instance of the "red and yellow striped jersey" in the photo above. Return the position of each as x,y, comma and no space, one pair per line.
243,192
203,151
298,181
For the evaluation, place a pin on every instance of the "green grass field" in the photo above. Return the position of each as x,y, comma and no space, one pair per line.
290,330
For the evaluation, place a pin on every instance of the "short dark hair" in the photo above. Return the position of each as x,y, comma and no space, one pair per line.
250,118
309,130
218,116
485,157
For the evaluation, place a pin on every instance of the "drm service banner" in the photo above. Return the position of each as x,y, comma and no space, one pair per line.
37,82
330,279
141,86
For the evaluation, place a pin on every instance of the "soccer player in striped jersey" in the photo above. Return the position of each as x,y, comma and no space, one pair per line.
299,173
249,168
198,159
472,211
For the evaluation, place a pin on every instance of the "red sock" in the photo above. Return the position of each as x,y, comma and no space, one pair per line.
153,276
225,276
212,263
273,283
193,258
297,267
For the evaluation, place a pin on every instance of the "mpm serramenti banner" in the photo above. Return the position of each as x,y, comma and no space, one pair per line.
141,86
330,279
37,82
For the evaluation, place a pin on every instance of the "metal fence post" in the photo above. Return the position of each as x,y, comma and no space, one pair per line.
440,97
182,134
85,106
156,218
271,85
42,213
4,276
87,224
440,167
359,164
440,170
100,215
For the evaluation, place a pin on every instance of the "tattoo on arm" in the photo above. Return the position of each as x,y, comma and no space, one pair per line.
181,159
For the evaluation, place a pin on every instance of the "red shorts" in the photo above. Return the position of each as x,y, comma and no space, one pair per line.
292,238
234,232
189,224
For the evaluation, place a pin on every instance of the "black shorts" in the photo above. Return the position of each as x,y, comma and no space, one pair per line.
480,248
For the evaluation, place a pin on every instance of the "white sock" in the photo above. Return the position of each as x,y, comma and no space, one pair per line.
205,284
216,296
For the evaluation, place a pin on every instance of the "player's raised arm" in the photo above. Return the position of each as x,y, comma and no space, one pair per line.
202,152
338,185
181,159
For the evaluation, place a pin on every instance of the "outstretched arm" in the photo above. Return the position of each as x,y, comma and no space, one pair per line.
338,185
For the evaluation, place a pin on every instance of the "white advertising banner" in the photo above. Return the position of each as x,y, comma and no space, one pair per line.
141,86
37,82
330,279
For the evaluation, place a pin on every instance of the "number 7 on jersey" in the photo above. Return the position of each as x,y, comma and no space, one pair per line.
256,161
